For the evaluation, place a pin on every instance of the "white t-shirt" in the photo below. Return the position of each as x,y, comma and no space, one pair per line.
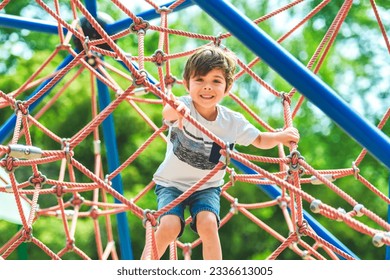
191,154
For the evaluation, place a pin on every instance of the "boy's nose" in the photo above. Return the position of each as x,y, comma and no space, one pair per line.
207,87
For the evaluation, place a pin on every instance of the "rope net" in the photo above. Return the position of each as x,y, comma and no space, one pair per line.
55,183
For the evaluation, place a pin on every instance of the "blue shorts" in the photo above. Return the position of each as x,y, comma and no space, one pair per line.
203,200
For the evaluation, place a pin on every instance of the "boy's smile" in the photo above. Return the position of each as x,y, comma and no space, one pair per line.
207,91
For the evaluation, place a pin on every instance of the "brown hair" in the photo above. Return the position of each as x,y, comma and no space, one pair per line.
208,58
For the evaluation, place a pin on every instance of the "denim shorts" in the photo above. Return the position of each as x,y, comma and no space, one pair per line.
203,200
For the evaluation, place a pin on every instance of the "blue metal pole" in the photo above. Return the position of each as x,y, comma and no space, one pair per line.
112,156
314,89
274,191
147,15
113,164
388,220
9,125
11,21
91,6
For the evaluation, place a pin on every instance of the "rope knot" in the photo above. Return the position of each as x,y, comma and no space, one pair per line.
149,217
283,201
294,157
77,200
303,228
70,244
65,145
158,57
285,97
9,164
356,170
37,179
139,25
164,10
139,78
169,80
94,212
20,106
27,234
59,190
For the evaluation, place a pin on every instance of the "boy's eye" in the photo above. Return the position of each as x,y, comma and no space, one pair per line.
198,79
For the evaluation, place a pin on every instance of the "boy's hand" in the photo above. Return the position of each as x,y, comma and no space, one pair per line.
181,107
268,140
173,114
290,134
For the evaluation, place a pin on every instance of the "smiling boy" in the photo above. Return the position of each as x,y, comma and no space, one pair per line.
208,77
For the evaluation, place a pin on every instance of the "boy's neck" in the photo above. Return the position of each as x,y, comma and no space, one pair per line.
209,114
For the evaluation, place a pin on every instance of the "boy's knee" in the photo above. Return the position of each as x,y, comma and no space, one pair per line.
170,225
206,222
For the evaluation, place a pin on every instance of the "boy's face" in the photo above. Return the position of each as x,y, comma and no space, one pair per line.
207,91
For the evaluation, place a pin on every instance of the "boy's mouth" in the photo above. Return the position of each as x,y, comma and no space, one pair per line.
206,96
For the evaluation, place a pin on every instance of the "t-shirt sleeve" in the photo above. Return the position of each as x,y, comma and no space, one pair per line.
246,132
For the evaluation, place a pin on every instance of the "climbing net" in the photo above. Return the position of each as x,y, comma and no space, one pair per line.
32,174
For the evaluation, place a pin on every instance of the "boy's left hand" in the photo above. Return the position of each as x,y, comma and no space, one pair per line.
290,134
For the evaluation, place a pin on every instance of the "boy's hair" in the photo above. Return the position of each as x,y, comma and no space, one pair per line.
208,58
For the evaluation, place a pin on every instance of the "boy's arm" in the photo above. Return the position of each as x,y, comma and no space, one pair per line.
268,140
171,114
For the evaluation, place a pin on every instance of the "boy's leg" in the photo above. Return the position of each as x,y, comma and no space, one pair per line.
207,227
167,231
171,223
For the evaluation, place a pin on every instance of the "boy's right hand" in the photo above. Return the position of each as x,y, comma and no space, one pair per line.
181,107
173,114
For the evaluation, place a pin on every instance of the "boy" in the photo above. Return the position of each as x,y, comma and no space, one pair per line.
208,77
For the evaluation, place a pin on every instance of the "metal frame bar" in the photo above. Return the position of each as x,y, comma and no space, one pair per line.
294,72
11,21
109,136
387,257
8,126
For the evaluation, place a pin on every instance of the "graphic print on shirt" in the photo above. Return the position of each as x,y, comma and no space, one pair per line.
193,150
